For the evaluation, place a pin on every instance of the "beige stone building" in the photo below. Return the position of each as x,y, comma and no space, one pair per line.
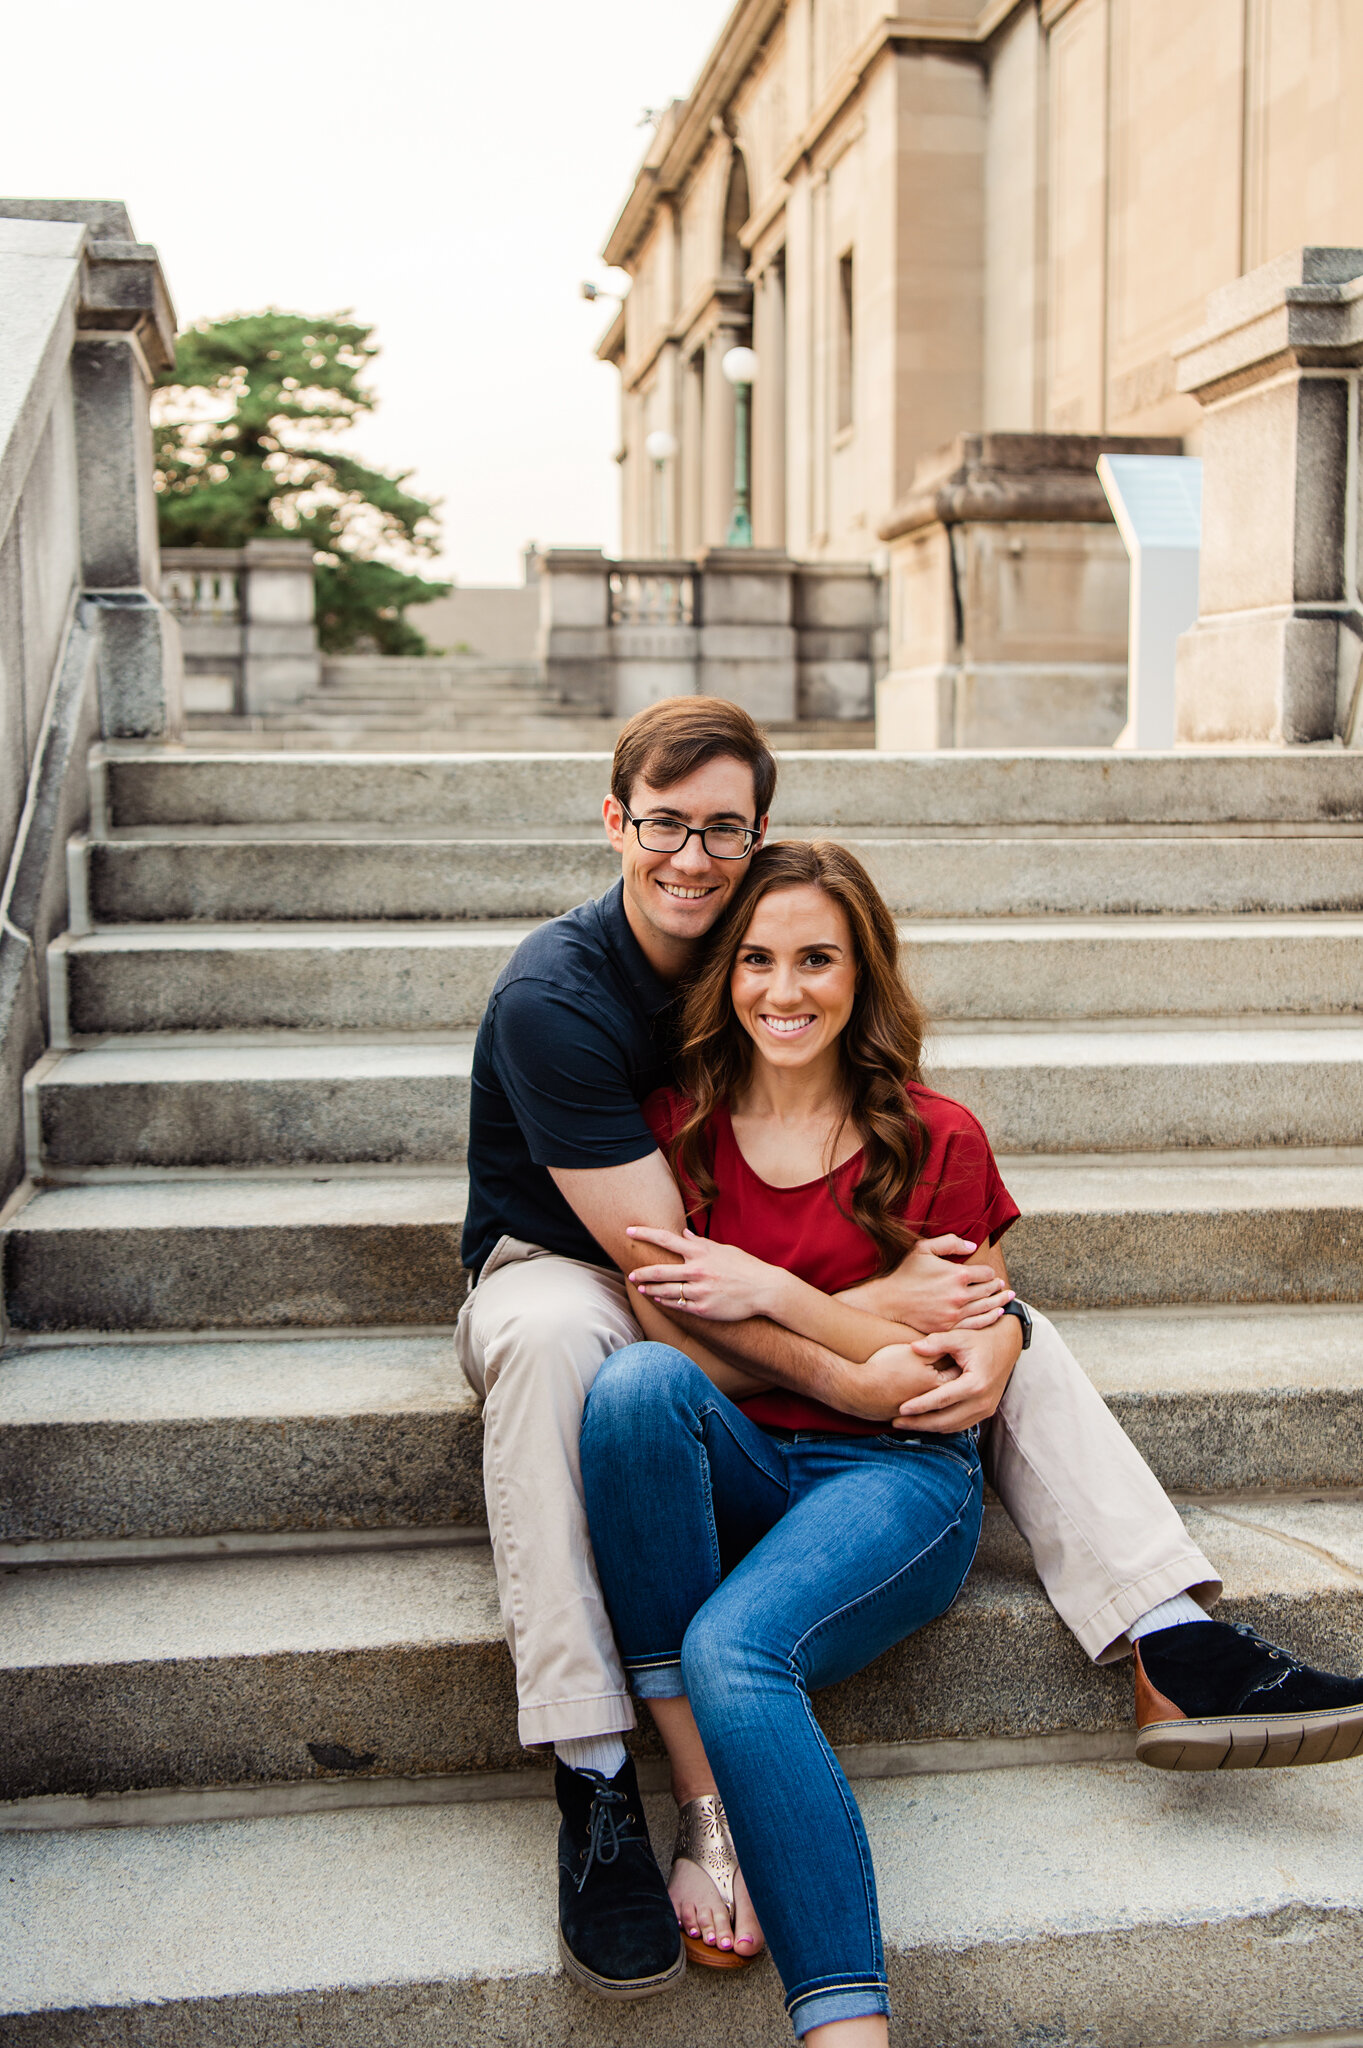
956,219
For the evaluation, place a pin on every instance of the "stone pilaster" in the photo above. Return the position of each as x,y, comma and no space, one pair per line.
1275,654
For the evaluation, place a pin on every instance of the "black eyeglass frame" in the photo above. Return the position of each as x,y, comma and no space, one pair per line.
753,834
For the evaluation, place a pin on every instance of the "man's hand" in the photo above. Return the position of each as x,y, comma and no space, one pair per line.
718,1281
985,1361
879,1390
930,1291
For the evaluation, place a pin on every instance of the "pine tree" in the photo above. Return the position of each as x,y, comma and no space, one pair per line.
245,426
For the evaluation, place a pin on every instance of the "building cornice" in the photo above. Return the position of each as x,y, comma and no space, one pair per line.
682,139
611,346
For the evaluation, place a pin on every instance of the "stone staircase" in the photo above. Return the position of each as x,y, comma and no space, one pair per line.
433,702
227,1373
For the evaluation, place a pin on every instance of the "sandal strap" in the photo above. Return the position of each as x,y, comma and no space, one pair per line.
703,1838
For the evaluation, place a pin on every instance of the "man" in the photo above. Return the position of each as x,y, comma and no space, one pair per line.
561,1163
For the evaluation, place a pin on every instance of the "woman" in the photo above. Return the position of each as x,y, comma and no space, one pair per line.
754,1545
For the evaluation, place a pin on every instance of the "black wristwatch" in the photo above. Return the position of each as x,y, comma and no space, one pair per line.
1024,1316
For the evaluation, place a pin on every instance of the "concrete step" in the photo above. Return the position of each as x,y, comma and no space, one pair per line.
246,1253
238,1253
1149,1230
1156,1089
224,1670
263,880
561,732
155,1103
280,1104
388,977
1232,1400
121,1444
1234,1910
281,977
198,786
340,875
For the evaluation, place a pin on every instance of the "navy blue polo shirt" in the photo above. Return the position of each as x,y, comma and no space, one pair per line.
572,1041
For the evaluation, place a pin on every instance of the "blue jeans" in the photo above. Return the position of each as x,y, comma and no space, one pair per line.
744,1568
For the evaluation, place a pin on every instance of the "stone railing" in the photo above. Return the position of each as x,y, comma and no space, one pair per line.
788,640
84,324
248,623
652,594
198,592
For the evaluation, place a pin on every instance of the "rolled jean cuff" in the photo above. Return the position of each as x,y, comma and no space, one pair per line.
657,1681
840,2002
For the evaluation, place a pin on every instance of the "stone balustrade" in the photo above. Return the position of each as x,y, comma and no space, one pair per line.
788,640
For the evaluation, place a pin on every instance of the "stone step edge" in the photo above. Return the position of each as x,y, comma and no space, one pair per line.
123,1550
162,1807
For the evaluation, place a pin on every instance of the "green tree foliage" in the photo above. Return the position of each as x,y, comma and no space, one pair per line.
246,424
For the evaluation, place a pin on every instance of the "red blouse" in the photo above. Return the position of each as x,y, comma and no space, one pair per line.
803,1230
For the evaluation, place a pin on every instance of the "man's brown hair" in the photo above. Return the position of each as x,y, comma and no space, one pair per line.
668,741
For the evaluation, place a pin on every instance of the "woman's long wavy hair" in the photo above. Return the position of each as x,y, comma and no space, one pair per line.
881,1044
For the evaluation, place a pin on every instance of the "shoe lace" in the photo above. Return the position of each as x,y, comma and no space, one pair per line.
604,1830
1289,1663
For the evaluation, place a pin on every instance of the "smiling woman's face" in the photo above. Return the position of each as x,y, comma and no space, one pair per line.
795,976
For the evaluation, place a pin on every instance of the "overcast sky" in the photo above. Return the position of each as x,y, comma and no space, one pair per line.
447,168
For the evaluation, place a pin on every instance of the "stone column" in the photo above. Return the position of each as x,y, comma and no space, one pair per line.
574,635
769,409
1275,654
126,333
280,661
747,634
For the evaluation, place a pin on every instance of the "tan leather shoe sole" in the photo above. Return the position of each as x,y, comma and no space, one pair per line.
1169,1740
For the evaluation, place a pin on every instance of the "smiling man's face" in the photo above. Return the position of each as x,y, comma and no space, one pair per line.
673,899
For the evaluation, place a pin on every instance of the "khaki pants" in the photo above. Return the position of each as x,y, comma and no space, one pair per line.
532,1337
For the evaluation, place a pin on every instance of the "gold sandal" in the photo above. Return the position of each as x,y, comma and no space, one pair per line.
703,1838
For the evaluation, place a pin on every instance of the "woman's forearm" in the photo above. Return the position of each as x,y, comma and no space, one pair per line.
850,1332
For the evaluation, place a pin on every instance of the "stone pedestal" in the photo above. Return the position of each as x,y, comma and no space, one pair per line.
747,641
1275,654
1008,597
280,661
574,640
837,615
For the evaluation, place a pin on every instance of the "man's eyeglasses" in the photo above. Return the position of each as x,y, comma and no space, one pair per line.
669,835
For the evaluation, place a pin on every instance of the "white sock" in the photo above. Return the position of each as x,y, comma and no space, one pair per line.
1169,1614
604,1753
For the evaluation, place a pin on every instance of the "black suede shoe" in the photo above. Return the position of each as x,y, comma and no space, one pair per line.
617,1931
1214,1696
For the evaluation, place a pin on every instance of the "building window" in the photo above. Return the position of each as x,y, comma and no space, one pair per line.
846,342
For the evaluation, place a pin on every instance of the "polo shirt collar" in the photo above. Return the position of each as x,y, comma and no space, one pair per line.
652,993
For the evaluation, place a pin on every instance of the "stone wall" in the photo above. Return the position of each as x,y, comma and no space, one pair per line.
85,645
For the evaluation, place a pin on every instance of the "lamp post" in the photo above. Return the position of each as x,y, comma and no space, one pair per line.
740,367
660,447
